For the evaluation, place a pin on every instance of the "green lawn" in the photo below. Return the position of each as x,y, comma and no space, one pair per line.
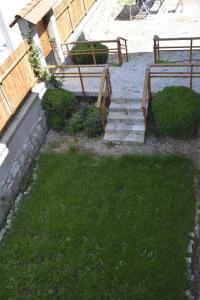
101,229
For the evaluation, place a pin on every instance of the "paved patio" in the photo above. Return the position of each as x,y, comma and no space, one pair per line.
127,81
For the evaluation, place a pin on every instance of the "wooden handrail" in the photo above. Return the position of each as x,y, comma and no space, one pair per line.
158,48
105,89
121,44
105,92
146,96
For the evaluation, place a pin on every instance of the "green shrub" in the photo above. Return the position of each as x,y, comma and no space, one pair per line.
85,59
92,123
57,104
176,111
76,123
86,119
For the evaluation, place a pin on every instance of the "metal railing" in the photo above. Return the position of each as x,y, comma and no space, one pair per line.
175,45
120,49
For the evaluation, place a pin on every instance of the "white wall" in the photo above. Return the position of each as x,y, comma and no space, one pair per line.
10,38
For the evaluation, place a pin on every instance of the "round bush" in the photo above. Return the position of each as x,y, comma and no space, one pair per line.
86,59
176,111
57,104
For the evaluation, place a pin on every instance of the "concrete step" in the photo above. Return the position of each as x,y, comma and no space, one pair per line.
132,106
126,100
121,138
129,118
123,128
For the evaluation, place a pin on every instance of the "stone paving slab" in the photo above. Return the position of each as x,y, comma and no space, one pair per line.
128,80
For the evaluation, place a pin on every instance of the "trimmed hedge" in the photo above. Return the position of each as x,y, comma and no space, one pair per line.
86,59
176,111
57,104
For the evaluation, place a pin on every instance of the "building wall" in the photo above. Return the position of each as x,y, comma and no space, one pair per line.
10,38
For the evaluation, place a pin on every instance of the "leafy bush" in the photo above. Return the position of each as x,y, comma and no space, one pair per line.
76,123
85,59
86,119
57,104
92,123
177,111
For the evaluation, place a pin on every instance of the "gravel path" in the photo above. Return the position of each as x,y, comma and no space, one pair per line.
60,142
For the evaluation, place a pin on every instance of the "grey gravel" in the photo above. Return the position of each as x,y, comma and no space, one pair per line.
60,142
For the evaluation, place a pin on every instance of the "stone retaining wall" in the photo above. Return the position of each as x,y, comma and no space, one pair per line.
18,147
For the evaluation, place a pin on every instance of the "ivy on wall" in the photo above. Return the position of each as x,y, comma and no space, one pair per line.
41,72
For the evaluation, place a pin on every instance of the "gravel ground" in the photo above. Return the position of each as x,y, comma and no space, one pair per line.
61,142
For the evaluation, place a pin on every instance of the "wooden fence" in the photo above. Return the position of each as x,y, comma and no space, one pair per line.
68,15
115,47
16,80
80,72
167,72
189,44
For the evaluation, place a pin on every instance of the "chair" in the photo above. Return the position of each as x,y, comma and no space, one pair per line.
144,7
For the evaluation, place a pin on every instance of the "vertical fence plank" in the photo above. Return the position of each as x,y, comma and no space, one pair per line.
68,15
16,80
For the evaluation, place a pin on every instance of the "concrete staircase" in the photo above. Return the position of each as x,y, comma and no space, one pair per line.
125,122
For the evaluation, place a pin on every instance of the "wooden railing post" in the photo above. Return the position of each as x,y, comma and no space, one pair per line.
93,54
191,75
120,57
126,50
155,44
102,111
146,95
191,46
81,79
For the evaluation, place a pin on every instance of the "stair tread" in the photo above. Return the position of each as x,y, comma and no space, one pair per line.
126,100
117,137
124,115
128,106
125,127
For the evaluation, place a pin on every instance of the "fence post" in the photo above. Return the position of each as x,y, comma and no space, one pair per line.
119,52
126,50
102,114
191,75
81,79
155,40
93,54
191,45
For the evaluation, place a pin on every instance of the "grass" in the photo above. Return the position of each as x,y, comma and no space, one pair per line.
101,229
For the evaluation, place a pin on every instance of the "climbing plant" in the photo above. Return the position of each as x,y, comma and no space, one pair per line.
42,72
